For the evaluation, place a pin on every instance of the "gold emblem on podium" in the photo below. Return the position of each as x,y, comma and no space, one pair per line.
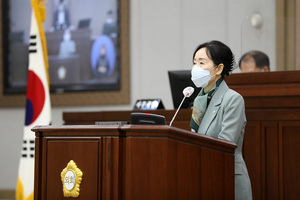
71,177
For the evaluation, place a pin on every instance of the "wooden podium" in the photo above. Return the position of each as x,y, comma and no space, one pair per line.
133,162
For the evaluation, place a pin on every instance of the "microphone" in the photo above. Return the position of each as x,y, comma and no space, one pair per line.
187,92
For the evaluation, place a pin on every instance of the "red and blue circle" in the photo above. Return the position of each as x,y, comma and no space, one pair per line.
35,98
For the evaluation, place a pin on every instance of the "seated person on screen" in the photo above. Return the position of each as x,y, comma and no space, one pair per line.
254,61
102,62
67,46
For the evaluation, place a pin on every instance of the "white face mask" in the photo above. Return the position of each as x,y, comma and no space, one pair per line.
67,36
200,77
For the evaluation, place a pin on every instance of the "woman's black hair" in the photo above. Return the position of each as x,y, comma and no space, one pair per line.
219,53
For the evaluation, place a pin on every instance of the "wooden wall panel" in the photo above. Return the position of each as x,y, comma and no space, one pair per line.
270,170
110,167
290,152
252,156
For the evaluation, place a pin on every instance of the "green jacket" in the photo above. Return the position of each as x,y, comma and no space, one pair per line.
225,119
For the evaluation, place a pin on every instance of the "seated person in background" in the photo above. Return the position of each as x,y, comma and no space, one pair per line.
67,46
254,61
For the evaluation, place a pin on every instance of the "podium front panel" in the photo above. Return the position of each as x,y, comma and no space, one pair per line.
85,153
133,162
158,168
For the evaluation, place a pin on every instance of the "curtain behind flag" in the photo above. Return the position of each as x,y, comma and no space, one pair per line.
38,107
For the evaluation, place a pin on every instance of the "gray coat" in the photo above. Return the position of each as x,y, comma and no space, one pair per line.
225,119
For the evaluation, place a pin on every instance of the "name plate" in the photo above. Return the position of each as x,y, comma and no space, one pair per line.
148,104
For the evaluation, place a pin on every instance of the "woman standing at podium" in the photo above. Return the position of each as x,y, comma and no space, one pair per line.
219,111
